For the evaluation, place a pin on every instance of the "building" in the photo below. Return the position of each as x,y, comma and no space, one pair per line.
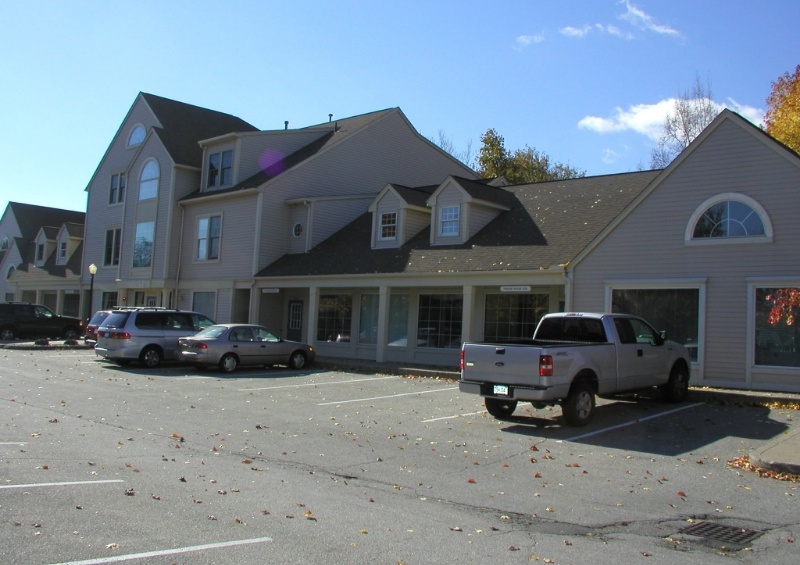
361,237
188,204
40,256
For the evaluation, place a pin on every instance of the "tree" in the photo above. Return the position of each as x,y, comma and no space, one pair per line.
691,113
783,110
446,144
521,166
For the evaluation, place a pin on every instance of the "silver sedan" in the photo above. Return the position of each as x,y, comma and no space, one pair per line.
231,345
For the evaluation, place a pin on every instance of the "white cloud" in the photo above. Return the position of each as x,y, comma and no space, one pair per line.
526,40
570,31
642,20
755,115
613,30
648,119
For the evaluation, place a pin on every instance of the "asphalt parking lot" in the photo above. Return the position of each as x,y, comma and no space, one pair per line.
105,464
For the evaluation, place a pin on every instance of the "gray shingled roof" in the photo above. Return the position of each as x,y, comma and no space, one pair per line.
548,224
185,125
31,218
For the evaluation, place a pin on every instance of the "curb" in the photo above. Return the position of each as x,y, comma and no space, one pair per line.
785,447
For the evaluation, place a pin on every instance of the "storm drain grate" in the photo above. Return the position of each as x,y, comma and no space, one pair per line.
724,534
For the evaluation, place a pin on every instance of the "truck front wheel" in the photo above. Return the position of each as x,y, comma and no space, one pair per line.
578,407
677,387
500,407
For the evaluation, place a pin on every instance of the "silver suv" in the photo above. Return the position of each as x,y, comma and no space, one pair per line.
149,335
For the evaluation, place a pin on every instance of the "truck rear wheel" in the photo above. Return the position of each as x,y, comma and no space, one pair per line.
578,407
500,407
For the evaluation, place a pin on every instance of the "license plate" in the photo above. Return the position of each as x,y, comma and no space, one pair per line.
500,390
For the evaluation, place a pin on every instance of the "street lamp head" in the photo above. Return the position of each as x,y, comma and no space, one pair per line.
92,269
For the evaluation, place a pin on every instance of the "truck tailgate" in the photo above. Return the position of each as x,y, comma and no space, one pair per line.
500,363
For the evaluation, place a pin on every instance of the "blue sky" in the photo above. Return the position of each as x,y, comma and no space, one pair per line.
586,81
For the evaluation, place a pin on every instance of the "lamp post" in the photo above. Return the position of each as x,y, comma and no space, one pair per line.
92,273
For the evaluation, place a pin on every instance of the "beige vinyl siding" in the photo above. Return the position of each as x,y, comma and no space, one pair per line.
414,221
150,210
649,243
332,215
388,203
260,150
236,244
100,215
388,150
298,214
448,197
478,217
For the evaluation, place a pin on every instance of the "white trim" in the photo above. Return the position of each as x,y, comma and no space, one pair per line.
689,238
754,283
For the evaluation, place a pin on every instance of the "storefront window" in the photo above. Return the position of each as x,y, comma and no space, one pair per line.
439,324
513,316
368,326
675,311
776,324
335,315
398,320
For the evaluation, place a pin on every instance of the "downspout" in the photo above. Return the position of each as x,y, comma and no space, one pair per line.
180,254
310,207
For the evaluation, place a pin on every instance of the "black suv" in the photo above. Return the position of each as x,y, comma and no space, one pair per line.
20,319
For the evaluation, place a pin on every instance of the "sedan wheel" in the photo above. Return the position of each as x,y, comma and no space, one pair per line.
297,360
228,363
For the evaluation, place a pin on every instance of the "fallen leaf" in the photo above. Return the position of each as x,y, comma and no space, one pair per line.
472,481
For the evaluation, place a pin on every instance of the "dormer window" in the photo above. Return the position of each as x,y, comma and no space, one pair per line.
389,226
220,168
137,136
39,253
4,243
448,224
62,252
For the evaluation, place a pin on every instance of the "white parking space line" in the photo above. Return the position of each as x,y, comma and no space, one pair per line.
632,422
175,551
453,417
318,384
385,397
13,443
67,483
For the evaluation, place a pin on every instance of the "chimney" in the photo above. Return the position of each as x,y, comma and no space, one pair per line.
286,124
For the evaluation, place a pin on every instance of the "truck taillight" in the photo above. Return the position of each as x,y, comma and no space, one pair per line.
545,365
462,359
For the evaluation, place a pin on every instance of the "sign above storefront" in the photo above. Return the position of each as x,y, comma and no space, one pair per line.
515,288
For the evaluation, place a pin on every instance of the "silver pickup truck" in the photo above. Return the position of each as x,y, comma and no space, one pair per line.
571,358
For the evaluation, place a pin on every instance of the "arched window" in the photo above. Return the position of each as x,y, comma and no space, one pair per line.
137,135
4,243
148,181
729,218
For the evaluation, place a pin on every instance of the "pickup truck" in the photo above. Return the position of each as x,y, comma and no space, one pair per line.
571,358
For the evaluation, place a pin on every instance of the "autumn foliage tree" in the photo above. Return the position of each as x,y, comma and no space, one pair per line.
783,110
521,166
785,306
